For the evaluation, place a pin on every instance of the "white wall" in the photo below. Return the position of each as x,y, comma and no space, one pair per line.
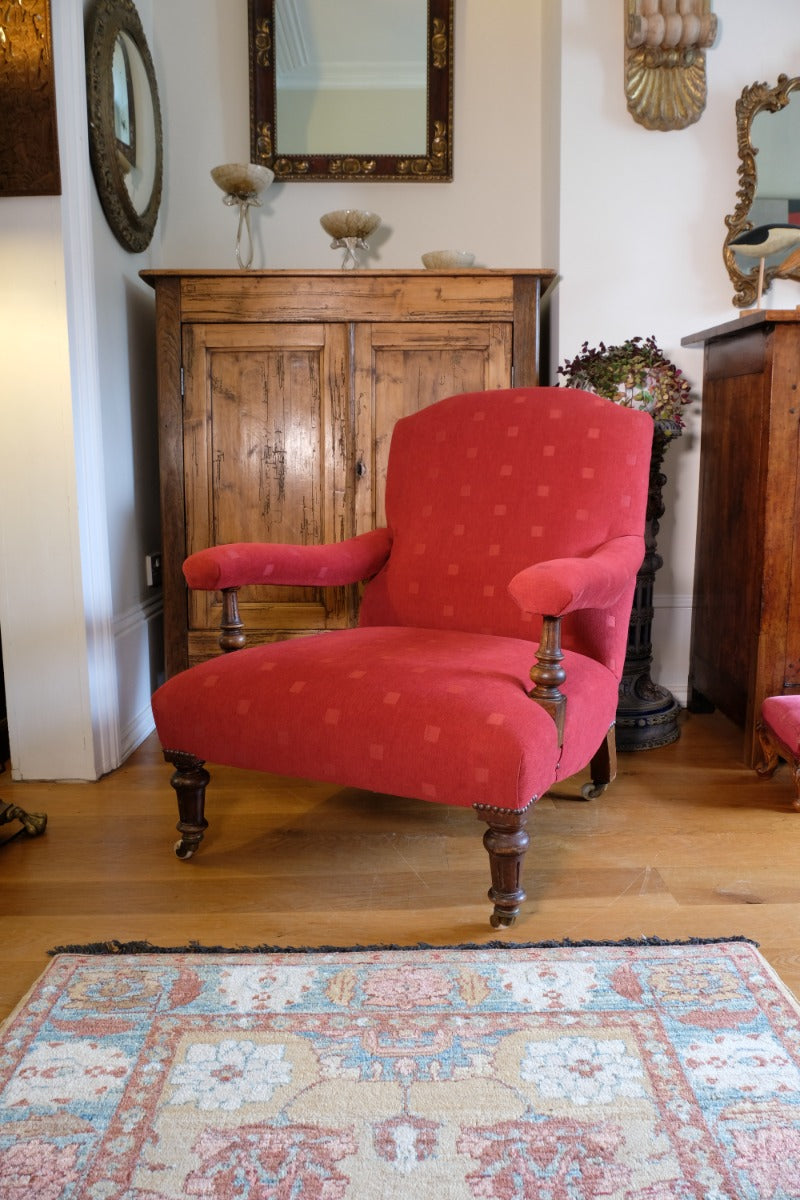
492,206
78,471
128,430
550,170
641,232
41,601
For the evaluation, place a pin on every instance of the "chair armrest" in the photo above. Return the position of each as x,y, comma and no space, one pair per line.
239,563
563,585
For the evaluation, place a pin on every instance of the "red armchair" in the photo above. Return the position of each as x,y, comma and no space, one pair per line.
491,636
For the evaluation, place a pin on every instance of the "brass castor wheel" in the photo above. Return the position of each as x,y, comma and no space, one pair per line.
501,920
590,791
183,849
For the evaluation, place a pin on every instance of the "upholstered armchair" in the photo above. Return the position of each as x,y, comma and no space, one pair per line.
491,635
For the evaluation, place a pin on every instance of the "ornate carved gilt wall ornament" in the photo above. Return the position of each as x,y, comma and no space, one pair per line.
665,62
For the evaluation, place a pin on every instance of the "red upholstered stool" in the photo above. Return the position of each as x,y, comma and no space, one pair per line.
779,734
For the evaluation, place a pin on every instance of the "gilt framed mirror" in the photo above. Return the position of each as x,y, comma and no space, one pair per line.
768,134
357,89
125,138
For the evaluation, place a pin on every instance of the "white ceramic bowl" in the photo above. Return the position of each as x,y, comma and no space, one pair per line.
447,258
349,222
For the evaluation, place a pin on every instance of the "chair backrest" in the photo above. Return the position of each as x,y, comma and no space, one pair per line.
483,484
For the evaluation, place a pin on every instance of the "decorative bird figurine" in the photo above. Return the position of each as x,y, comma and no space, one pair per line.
763,241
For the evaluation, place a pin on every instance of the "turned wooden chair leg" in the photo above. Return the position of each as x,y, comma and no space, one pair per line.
603,767
189,781
506,841
769,752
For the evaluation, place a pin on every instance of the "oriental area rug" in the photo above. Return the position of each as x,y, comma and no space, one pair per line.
648,1071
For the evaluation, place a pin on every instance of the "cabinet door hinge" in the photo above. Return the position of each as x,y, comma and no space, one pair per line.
183,393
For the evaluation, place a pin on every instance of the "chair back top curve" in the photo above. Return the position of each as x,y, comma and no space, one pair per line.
483,484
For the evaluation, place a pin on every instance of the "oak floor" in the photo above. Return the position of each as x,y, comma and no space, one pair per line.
687,843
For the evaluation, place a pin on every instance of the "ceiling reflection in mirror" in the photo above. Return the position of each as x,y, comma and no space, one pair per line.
133,113
768,135
344,84
352,89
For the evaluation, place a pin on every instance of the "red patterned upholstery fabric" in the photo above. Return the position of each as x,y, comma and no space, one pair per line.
782,715
501,506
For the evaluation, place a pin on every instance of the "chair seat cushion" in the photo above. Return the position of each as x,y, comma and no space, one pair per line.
429,714
781,714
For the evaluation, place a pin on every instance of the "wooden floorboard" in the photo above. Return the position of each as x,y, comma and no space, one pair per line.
687,843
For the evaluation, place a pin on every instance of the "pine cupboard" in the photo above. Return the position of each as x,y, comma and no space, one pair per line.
277,395
746,618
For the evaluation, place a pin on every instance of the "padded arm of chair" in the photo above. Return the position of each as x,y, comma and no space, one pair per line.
562,585
240,563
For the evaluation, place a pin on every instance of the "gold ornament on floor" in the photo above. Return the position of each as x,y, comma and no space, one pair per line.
32,823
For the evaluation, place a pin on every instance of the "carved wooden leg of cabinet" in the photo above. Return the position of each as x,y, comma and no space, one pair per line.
603,768
506,841
189,781
773,749
796,781
769,752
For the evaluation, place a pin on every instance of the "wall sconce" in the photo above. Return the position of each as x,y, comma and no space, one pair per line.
665,63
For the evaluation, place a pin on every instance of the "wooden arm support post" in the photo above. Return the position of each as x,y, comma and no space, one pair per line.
547,674
232,635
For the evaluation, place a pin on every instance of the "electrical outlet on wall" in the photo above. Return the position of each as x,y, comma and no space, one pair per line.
152,569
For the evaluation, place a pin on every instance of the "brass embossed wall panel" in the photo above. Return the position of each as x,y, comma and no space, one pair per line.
29,163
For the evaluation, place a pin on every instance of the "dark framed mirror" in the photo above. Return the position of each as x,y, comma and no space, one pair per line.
359,89
125,137
767,131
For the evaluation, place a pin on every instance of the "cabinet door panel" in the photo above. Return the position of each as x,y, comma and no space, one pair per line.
727,588
267,458
403,367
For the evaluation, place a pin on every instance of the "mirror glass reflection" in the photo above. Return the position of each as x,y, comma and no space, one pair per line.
134,122
775,136
351,76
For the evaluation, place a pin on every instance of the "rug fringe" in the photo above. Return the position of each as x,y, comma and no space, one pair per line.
115,947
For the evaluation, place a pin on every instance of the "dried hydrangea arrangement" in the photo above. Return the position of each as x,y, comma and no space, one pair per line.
635,374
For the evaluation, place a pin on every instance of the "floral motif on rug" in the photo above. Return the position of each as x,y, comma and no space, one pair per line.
650,1072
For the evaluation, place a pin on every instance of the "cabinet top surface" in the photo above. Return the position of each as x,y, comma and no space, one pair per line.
152,275
761,316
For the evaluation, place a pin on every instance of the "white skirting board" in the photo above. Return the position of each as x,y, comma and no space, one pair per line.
671,636
138,647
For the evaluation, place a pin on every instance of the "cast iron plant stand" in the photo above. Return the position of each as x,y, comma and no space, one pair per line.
647,713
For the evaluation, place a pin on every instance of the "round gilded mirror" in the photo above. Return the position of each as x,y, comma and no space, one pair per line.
767,130
125,140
